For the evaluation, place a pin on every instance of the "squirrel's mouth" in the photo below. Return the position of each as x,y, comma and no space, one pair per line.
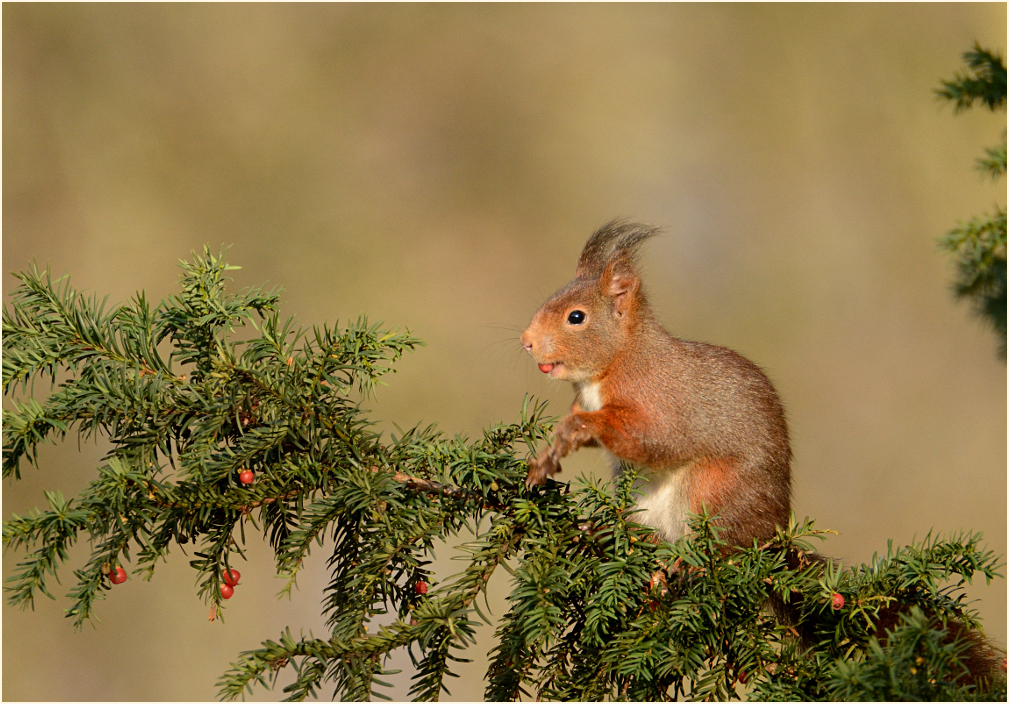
550,367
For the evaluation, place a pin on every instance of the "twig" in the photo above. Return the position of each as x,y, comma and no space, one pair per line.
429,487
415,483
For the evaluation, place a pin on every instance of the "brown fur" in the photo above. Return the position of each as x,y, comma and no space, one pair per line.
981,659
668,404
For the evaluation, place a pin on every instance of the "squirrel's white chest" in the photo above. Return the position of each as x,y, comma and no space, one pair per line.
590,396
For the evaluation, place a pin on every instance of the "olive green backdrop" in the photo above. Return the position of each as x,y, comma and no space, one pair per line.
440,166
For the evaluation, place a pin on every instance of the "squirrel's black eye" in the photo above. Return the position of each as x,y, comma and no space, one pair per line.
576,317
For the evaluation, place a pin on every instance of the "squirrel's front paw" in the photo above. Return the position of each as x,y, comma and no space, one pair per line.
570,434
542,467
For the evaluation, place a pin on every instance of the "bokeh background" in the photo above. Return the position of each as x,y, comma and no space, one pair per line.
439,167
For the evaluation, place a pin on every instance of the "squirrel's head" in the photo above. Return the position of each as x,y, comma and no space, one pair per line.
578,332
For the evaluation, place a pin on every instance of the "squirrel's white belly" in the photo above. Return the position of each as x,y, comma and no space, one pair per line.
664,504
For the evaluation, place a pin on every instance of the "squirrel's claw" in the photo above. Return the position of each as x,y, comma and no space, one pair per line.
542,467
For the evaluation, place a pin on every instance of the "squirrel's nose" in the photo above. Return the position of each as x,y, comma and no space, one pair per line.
527,342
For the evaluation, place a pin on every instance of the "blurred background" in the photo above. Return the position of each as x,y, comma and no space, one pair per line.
438,167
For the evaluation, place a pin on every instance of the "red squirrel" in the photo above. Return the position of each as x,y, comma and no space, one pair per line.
705,422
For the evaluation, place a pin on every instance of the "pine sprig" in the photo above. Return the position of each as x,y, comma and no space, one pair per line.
994,162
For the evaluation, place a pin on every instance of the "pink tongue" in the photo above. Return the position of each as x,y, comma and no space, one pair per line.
545,367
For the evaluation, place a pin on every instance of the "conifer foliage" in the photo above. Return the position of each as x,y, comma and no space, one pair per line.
599,608
979,245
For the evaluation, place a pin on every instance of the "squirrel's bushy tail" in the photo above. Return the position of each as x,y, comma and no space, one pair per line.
982,660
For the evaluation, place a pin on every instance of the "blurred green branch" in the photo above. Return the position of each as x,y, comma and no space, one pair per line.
985,82
979,245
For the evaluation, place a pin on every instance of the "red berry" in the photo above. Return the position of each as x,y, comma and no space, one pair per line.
231,577
742,676
837,601
420,587
117,576
227,591
246,476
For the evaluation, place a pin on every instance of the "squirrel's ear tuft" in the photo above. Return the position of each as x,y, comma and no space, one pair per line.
614,248
610,258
